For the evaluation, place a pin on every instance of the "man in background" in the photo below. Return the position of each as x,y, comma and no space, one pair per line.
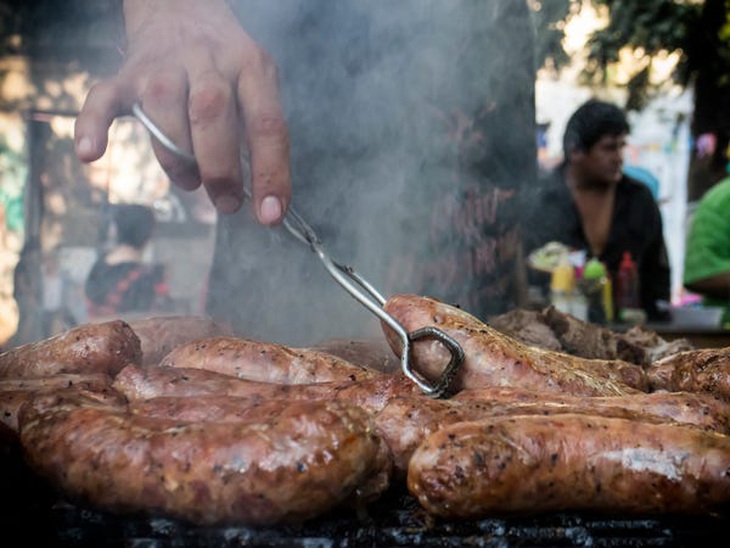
587,203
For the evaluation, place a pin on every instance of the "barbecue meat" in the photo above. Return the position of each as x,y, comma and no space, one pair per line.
372,354
690,408
589,340
529,464
527,326
92,348
264,361
702,370
405,422
656,348
294,462
494,359
551,329
139,383
14,392
158,335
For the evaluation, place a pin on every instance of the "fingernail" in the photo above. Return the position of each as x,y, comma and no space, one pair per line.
84,146
270,211
227,203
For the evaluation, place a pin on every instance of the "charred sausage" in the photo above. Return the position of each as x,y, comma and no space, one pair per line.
495,359
405,422
569,462
700,410
300,460
369,353
14,392
138,383
264,361
92,348
158,335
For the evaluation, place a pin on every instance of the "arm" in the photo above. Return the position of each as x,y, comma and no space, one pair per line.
717,287
211,89
707,258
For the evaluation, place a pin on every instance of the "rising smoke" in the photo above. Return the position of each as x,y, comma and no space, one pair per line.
412,130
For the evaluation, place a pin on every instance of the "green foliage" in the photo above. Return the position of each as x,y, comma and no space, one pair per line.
697,31
14,169
549,17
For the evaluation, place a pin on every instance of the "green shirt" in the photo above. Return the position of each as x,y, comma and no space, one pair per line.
708,243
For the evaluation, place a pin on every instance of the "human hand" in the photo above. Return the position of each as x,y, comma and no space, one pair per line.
211,89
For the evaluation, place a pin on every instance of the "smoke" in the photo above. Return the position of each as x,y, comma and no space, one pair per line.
411,127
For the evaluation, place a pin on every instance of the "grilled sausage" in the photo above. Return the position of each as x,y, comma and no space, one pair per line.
297,462
569,462
92,348
264,361
495,359
138,383
14,392
700,410
158,335
370,353
141,383
405,422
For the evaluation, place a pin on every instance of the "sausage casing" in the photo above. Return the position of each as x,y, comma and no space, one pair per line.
91,348
298,462
264,361
526,464
494,359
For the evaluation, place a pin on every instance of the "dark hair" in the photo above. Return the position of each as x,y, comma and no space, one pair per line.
134,224
593,120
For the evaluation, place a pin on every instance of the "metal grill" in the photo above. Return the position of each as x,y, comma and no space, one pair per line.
396,520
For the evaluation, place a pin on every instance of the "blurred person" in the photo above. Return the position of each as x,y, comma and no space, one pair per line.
56,315
408,146
28,294
588,203
120,283
707,252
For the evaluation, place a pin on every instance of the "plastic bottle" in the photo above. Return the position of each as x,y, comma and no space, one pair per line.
608,298
579,299
595,280
561,287
627,287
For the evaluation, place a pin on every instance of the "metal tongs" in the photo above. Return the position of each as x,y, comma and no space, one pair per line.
351,281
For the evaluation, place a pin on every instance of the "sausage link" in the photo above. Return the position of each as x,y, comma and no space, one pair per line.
159,335
570,463
495,359
696,409
91,348
142,383
264,361
300,461
14,392
405,422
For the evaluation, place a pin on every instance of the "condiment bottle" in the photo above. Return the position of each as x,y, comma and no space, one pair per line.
627,287
595,280
561,287
579,299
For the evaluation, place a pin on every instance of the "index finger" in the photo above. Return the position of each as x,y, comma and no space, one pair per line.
267,138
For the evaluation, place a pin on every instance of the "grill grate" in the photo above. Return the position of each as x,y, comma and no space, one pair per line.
397,520
32,513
